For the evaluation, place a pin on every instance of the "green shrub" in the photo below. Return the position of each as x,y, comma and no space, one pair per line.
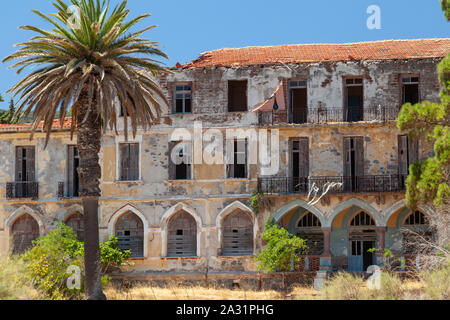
390,288
13,285
437,282
47,263
282,249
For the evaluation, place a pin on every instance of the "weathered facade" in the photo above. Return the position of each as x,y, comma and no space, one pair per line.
334,108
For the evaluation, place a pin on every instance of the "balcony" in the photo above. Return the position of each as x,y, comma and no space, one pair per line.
329,115
334,185
22,190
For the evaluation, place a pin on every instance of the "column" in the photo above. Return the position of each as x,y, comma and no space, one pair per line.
381,235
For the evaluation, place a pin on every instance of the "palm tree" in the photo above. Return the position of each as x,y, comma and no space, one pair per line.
90,62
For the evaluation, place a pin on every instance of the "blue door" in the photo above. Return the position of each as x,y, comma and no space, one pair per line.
355,259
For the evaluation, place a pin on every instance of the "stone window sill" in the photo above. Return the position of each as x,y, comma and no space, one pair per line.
137,182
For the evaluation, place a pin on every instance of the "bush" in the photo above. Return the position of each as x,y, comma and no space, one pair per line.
282,249
345,286
390,288
437,282
47,263
13,285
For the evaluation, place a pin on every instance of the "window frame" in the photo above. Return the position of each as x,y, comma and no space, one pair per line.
184,92
122,140
235,154
172,176
229,106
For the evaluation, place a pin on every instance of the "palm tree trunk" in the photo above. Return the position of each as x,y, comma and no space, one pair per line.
89,143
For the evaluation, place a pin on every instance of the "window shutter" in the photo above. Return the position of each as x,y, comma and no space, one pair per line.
19,173
187,152
359,151
124,163
347,158
229,156
413,150
30,176
171,164
70,168
403,155
304,157
134,161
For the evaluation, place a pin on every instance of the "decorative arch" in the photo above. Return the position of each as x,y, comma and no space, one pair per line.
379,221
67,213
299,204
401,205
165,225
123,210
233,207
20,212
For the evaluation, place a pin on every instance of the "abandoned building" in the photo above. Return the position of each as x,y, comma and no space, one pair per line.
335,108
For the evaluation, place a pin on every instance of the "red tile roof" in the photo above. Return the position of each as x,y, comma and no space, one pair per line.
27,126
273,55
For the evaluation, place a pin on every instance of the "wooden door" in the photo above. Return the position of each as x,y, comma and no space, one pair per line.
182,236
24,230
130,232
237,235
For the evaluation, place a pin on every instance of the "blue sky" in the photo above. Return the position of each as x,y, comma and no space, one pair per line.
187,28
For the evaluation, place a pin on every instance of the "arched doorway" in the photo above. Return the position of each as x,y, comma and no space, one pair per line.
24,230
130,232
310,229
237,234
76,222
182,235
362,237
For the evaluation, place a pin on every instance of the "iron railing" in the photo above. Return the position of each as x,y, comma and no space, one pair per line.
22,190
332,185
327,115
67,193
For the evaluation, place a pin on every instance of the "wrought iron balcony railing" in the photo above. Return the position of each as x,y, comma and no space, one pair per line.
327,115
69,192
333,185
22,190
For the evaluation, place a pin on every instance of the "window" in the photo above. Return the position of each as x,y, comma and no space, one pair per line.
353,163
182,98
130,232
354,99
25,172
24,230
73,181
416,218
408,153
129,161
76,222
237,160
237,96
310,229
410,90
362,219
180,161
300,164
298,101
237,234
182,236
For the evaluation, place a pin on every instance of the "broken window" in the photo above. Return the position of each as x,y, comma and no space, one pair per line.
410,90
237,234
76,222
237,96
353,163
416,218
129,161
299,101
300,164
237,160
130,233
180,161
354,99
73,181
25,172
24,231
182,98
182,236
310,229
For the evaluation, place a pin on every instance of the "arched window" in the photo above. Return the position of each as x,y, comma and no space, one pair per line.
416,219
130,232
362,219
237,234
76,222
24,230
310,229
182,236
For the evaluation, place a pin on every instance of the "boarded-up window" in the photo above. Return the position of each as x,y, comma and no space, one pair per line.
24,230
237,96
310,229
237,234
129,161
299,164
76,222
182,236
237,159
130,232
362,228
180,160
73,181
353,162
